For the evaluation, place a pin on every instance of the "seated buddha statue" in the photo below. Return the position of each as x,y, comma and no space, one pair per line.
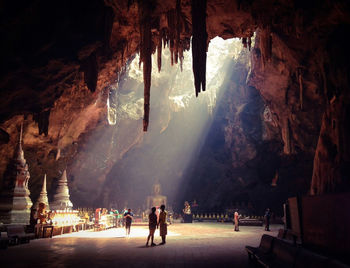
156,199
41,213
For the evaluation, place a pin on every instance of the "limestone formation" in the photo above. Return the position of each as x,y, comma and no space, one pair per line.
199,43
61,199
15,202
43,197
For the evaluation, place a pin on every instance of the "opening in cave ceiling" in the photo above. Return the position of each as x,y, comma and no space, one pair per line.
174,81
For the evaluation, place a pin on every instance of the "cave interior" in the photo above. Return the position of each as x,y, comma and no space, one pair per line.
279,128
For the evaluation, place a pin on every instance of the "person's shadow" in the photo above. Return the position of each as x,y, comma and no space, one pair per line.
144,246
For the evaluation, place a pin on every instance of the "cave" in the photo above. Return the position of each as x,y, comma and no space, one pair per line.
227,105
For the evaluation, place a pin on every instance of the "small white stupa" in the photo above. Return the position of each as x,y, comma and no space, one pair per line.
42,197
61,198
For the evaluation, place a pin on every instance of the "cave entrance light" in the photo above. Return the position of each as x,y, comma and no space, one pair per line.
178,120
126,96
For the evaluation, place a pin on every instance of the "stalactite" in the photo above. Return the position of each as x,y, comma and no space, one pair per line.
249,43
42,119
199,43
181,56
145,11
288,138
265,44
244,42
165,37
147,70
178,29
90,68
172,33
159,52
301,89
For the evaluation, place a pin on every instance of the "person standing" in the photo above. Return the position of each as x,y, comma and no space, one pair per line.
267,219
128,216
152,224
236,220
163,229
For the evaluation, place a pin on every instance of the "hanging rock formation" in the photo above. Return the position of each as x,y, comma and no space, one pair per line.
199,43
145,18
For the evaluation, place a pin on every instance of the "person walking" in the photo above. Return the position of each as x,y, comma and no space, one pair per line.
163,229
236,220
128,216
267,219
152,224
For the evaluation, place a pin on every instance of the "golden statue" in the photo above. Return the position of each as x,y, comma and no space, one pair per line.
41,214
156,199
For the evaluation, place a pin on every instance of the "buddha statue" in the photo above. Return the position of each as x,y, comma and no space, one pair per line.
156,199
42,214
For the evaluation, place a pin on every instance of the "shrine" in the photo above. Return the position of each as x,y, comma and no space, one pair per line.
15,202
61,199
42,197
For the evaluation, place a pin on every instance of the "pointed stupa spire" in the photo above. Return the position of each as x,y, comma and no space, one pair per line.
20,134
43,189
61,198
43,196
19,154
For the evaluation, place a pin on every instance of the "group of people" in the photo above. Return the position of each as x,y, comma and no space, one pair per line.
267,217
154,222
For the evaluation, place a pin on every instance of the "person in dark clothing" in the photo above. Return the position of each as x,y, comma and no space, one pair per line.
162,222
152,224
267,219
128,216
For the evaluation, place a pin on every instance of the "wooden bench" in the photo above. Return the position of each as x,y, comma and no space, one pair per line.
288,235
283,255
264,248
309,259
17,233
4,240
274,252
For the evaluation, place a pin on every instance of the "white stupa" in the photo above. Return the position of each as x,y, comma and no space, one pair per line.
15,202
61,198
43,196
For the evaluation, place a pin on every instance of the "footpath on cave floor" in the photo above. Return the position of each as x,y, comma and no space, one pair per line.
188,245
